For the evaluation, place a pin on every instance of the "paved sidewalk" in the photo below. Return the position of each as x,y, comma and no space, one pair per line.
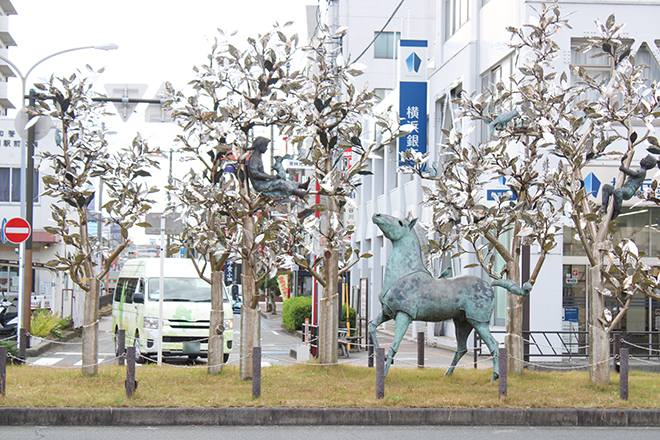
439,351
434,356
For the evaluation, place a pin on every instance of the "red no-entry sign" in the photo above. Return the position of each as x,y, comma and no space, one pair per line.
17,230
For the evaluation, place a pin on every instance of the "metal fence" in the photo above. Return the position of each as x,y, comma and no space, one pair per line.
575,344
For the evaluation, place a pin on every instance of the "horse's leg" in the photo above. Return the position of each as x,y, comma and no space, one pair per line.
403,320
483,329
374,324
463,329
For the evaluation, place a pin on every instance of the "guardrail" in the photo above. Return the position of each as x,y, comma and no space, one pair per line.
575,344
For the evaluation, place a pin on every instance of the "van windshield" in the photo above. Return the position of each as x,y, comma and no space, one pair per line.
183,289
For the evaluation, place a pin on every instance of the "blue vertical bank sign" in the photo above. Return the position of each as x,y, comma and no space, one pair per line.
412,93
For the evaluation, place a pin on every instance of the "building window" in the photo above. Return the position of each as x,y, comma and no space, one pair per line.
652,69
500,73
10,185
382,93
386,44
8,281
598,67
456,15
640,225
446,114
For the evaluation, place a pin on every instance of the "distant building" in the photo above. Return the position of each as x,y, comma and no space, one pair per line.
6,41
467,51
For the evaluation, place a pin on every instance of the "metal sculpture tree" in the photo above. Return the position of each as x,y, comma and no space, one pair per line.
82,157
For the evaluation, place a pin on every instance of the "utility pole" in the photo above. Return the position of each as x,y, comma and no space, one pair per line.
26,311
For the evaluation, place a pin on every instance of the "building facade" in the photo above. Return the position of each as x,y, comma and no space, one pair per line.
6,41
468,52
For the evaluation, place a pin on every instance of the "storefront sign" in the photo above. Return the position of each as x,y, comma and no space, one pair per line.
283,284
412,94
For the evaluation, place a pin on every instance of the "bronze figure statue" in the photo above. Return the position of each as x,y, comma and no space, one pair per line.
269,184
631,185
410,293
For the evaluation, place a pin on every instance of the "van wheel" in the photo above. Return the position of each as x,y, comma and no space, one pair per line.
138,352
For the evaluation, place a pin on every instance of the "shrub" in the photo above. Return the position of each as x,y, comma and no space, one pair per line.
44,323
352,315
295,310
12,350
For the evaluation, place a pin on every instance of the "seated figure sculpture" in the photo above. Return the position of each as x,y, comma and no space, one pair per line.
631,185
268,184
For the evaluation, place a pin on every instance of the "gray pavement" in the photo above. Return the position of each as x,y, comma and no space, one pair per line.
326,432
435,356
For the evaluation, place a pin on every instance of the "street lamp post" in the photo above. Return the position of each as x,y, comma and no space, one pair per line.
27,190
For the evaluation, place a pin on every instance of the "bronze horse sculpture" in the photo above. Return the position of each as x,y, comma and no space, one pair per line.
411,293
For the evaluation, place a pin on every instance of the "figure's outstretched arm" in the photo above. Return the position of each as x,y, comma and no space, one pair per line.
256,173
633,173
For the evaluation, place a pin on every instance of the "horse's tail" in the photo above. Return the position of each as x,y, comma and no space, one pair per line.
513,287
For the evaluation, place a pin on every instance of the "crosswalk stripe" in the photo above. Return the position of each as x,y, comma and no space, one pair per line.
46,362
73,353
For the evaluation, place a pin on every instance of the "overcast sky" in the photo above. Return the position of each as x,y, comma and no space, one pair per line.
159,40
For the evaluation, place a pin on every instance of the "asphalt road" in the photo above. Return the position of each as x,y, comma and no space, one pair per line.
276,345
325,433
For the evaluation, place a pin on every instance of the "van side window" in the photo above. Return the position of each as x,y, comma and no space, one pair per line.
140,287
121,285
131,285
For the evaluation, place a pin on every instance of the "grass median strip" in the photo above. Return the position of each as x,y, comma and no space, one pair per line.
311,386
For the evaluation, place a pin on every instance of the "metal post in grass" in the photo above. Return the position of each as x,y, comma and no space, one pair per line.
131,383
121,346
256,372
623,374
474,351
370,352
420,349
380,373
22,344
3,369
617,350
502,357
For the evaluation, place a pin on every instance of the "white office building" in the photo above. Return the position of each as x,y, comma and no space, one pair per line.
467,51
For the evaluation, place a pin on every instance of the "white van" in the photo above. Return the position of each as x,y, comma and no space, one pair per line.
186,309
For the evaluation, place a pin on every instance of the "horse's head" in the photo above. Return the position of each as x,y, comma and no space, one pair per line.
392,227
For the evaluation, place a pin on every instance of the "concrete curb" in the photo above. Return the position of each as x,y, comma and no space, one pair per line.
44,345
623,417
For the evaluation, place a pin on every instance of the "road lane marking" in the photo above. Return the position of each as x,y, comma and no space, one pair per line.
46,362
73,353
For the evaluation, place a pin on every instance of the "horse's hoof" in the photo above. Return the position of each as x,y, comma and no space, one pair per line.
495,377
449,372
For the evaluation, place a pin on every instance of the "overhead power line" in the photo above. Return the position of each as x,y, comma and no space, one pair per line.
380,31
